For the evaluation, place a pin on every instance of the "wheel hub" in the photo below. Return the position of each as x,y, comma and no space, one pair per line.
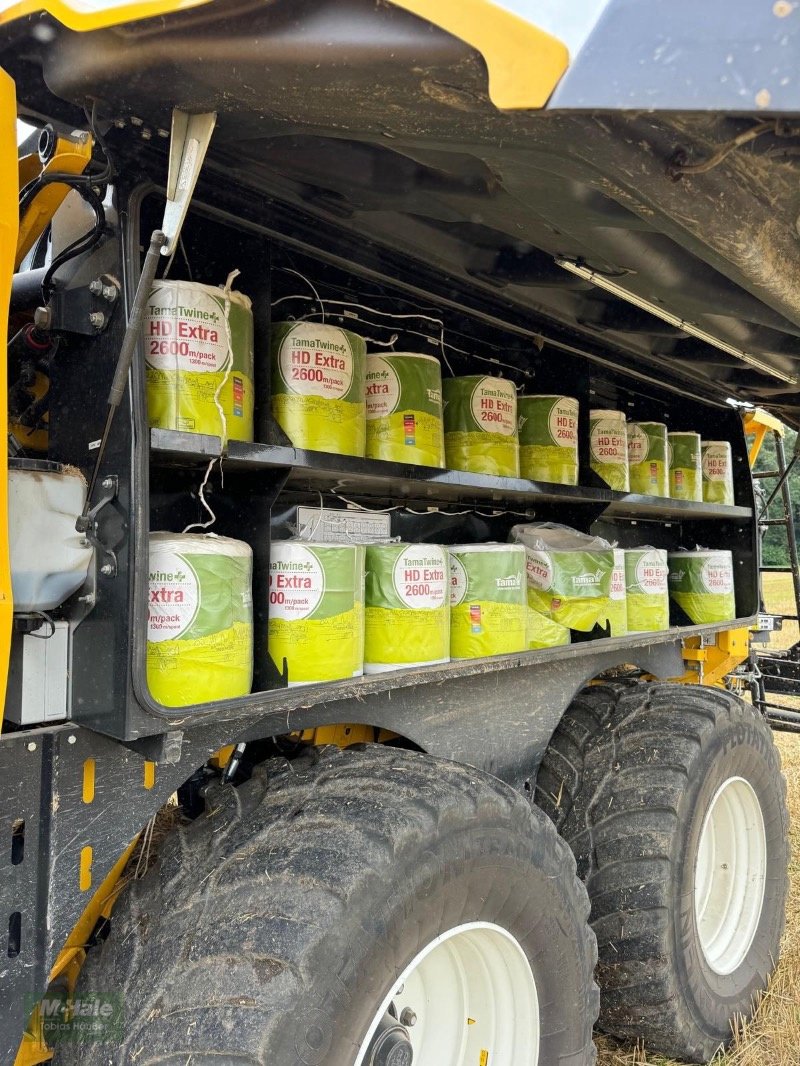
730,875
391,1045
468,997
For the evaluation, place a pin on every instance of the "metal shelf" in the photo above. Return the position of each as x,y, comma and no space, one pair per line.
321,470
279,705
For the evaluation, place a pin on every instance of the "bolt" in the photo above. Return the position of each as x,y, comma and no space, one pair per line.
108,483
32,746
163,133
98,319
136,121
119,123
107,569
110,293
95,287
72,739
88,598
147,134
408,1018
42,317
80,136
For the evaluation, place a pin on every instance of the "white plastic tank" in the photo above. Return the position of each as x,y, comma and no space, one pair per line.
49,558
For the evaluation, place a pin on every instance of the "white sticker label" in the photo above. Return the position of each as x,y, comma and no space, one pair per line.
617,591
317,362
652,574
494,406
608,442
420,577
458,581
296,582
383,388
638,444
173,599
716,461
185,330
717,576
563,423
539,569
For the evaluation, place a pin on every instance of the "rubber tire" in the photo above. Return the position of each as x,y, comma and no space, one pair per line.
271,928
629,777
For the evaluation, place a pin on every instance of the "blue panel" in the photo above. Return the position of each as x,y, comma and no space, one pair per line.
685,55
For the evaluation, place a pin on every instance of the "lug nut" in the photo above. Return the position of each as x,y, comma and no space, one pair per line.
408,1018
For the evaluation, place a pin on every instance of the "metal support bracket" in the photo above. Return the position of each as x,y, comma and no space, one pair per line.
89,526
191,135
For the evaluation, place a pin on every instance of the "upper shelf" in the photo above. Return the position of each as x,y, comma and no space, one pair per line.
318,470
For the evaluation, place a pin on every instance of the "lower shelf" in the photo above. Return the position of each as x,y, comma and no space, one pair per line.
286,700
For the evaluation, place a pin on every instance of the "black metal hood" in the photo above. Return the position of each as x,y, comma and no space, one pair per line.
360,112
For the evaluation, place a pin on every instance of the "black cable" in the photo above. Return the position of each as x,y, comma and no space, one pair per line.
75,181
83,244
99,139
51,623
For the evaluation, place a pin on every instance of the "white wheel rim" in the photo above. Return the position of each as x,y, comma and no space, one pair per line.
472,991
730,875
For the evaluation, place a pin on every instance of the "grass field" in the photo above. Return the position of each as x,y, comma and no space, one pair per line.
773,1037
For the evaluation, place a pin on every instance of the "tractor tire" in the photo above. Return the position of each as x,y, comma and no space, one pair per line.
672,800
278,928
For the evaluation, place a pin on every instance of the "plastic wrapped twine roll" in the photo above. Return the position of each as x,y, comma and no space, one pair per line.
315,610
685,469
407,610
404,409
197,363
702,585
647,458
487,600
548,438
608,440
543,632
480,425
717,463
568,575
318,378
199,618
648,592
